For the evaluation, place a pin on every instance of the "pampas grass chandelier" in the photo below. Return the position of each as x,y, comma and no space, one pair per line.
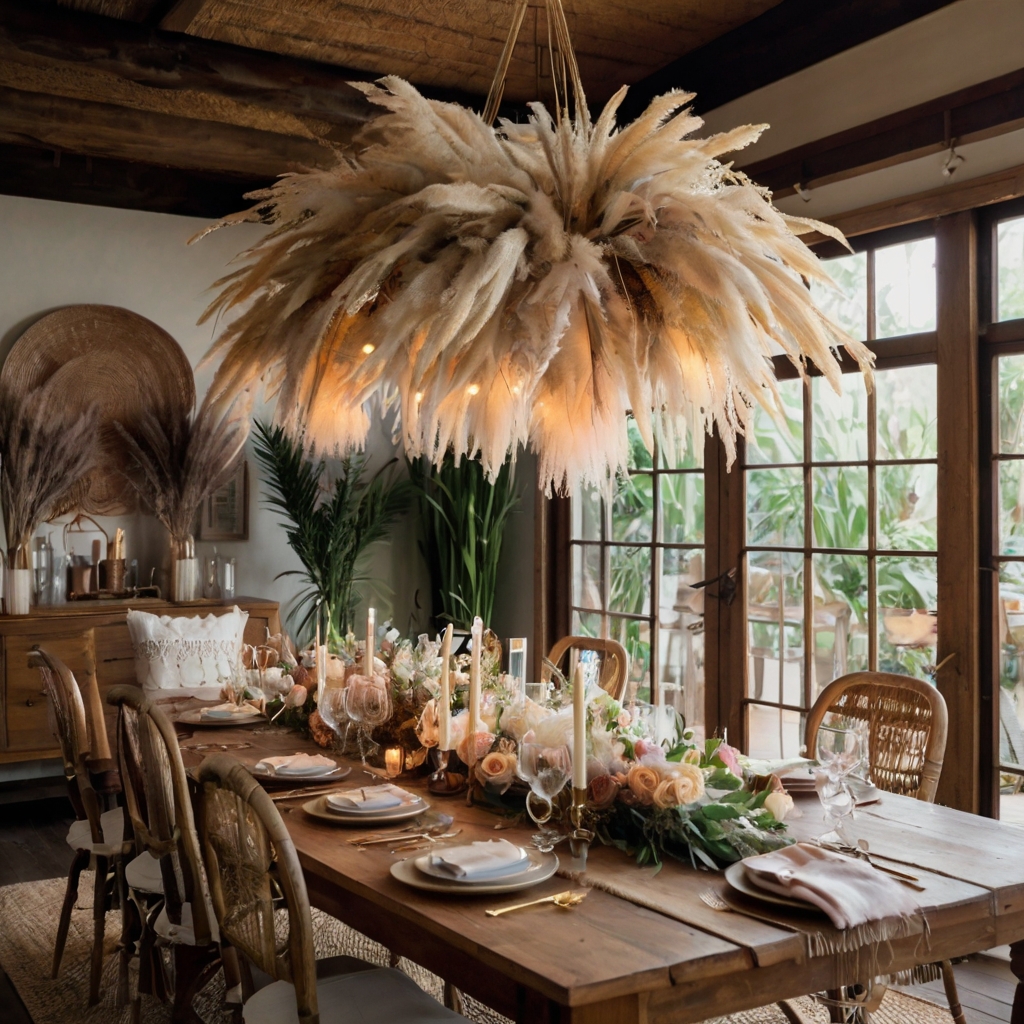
523,284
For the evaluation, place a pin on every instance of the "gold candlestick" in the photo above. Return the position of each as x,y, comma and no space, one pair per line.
580,838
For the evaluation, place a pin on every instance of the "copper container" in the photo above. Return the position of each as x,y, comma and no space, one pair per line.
112,573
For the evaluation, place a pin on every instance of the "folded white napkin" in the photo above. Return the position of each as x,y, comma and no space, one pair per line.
370,798
476,861
295,763
228,709
850,891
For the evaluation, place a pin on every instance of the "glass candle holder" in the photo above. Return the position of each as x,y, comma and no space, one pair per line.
394,761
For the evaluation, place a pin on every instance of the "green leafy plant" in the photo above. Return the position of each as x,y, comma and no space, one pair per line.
464,518
329,524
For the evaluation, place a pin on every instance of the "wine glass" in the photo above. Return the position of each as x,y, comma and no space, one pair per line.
331,705
840,751
547,769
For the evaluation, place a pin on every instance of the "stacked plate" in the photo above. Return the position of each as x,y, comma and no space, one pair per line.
221,715
738,879
798,780
367,805
299,769
476,869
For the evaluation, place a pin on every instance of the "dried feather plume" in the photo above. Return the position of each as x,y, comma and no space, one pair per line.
182,459
45,453
523,284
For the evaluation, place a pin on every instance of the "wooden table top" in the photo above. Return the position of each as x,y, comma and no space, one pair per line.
613,961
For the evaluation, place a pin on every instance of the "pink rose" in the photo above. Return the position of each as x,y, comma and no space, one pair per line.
647,748
602,791
729,757
484,742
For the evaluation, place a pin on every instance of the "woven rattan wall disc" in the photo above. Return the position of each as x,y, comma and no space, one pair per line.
115,359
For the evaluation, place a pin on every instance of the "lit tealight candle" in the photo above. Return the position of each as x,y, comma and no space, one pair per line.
394,761
444,707
579,730
371,630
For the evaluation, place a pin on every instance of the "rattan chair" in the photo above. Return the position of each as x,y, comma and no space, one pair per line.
165,881
97,837
614,660
250,861
907,726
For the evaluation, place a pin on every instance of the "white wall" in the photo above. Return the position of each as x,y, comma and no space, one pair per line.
58,254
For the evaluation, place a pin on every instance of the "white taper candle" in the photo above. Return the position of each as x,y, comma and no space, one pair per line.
444,707
474,678
579,729
371,631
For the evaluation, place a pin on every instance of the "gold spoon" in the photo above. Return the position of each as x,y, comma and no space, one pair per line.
565,900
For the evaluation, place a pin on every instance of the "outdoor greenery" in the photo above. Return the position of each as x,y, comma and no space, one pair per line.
332,515
464,517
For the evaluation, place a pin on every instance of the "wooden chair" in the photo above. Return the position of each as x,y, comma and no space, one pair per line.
614,660
907,727
165,880
97,837
250,860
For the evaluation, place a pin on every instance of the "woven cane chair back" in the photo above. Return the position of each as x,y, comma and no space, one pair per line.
614,660
159,805
69,724
907,726
250,861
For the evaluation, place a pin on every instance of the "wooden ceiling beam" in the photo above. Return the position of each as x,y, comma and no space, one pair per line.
978,112
787,38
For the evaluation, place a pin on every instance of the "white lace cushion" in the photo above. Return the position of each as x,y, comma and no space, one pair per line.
185,652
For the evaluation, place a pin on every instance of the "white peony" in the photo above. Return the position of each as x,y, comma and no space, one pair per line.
518,720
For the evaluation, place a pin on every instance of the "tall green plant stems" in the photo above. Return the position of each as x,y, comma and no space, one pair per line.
464,518
329,525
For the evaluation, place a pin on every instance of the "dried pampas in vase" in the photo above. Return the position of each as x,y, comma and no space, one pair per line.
180,460
45,452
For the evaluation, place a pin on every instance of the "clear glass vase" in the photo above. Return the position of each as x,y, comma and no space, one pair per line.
186,584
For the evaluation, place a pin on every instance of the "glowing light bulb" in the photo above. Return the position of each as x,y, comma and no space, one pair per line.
474,389
367,349
419,397
516,389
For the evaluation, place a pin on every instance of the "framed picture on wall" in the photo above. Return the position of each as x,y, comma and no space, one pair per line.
225,514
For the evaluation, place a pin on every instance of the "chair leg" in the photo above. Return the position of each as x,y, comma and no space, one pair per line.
79,864
791,1013
949,983
453,998
193,969
99,915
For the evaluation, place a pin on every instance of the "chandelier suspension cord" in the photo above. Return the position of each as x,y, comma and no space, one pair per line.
497,89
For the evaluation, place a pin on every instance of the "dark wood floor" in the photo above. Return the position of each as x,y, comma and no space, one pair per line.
33,846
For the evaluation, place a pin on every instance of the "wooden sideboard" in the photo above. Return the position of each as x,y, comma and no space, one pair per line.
25,731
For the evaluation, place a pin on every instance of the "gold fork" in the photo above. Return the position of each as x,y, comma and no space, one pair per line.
565,900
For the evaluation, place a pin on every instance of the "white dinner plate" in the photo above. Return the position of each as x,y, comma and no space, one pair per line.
318,809
513,873
318,773
736,876
197,717
406,871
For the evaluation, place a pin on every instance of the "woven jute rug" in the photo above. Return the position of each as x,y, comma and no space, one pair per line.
28,925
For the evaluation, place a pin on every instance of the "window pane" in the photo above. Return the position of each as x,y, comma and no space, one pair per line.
682,508
681,634
586,576
775,619
775,507
639,456
1011,405
905,288
848,306
635,636
586,515
1010,261
907,413
774,733
1011,508
907,598
687,454
770,441
840,616
630,589
1011,663
906,497
840,507
839,430
633,508
586,624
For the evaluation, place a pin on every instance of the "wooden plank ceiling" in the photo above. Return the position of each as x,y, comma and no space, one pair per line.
454,44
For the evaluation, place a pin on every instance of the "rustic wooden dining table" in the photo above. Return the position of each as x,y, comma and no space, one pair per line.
674,959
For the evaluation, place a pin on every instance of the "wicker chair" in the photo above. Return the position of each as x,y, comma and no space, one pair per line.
250,861
614,660
166,881
907,727
97,837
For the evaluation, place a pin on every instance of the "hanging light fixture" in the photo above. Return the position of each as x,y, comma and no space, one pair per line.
529,283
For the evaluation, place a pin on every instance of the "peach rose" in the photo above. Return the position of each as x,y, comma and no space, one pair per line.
684,786
484,742
780,803
642,782
427,730
296,696
496,770
602,791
